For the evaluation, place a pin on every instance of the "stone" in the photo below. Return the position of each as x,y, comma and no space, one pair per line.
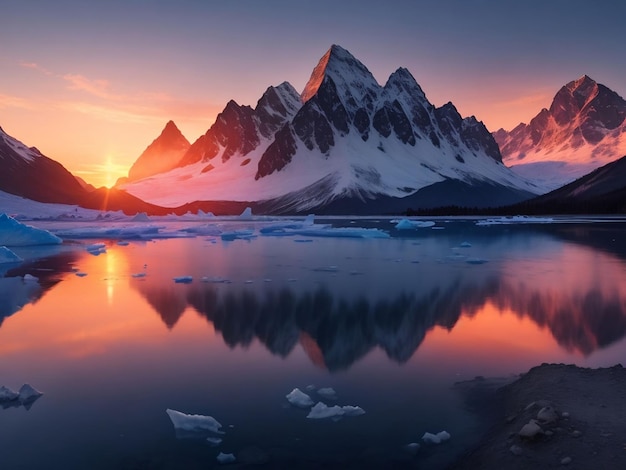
547,415
530,430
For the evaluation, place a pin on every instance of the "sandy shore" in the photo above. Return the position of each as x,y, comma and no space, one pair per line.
577,420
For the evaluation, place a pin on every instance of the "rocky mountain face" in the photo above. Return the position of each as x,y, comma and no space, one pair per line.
163,154
584,128
26,172
346,139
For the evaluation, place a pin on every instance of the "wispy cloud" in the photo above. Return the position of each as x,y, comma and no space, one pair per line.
97,87
540,99
37,67
8,101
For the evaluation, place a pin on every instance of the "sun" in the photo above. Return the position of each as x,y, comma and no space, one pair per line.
111,171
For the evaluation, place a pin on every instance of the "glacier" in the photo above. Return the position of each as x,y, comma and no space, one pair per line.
14,233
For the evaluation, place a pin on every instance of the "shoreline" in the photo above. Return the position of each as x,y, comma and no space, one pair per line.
577,420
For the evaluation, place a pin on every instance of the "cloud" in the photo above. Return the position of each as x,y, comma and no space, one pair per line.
129,115
540,99
98,87
35,66
8,101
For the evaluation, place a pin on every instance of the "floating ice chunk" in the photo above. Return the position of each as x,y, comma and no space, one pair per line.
465,245
187,422
141,217
310,388
246,214
518,219
96,249
406,224
216,280
214,440
14,233
7,256
437,228
303,240
476,261
80,274
412,447
6,394
341,232
28,393
327,392
225,458
298,398
243,234
123,243
183,279
136,275
323,411
30,278
436,438
248,281
349,410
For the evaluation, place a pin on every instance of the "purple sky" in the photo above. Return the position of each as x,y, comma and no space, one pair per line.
91,84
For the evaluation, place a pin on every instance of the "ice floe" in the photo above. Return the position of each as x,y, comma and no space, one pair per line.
243,234
96,248
225,458
7,256
465,245
518,219
327,392
412,447
436,438
14,233
407,224
80,273
194,423
298,398
214,440
30,278
183,279
215,280
476,261
323,411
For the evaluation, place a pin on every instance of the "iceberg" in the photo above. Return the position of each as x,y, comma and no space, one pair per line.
327,392
28,394
406,224
323,411
7,256
30,278
14,233
243,234
185,422
6,394
141,217
246,214
298,398
341,232
518,219
225,458
96,249
436,438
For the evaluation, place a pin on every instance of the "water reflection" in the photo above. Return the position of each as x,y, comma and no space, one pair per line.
336,331
16,292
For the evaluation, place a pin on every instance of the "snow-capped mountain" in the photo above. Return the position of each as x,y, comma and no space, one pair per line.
26,172
345,142
584,128
163,154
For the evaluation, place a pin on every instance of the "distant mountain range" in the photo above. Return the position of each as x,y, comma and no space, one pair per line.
347,145
344,145
584,128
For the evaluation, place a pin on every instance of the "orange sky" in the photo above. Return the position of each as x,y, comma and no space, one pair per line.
92,84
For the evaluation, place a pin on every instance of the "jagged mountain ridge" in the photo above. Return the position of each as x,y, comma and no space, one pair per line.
163,154
583,129
28,173
368,140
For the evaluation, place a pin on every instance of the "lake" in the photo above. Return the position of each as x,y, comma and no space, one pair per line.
391,324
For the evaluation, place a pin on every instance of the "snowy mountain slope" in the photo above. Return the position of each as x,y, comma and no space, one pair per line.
346,135
162,155
584,128
28,173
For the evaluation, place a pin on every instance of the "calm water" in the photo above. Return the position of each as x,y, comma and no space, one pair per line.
390,324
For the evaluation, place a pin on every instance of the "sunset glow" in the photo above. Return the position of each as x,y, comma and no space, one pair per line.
93,99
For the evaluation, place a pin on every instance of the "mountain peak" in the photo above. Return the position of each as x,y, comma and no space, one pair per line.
346,71
583,82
